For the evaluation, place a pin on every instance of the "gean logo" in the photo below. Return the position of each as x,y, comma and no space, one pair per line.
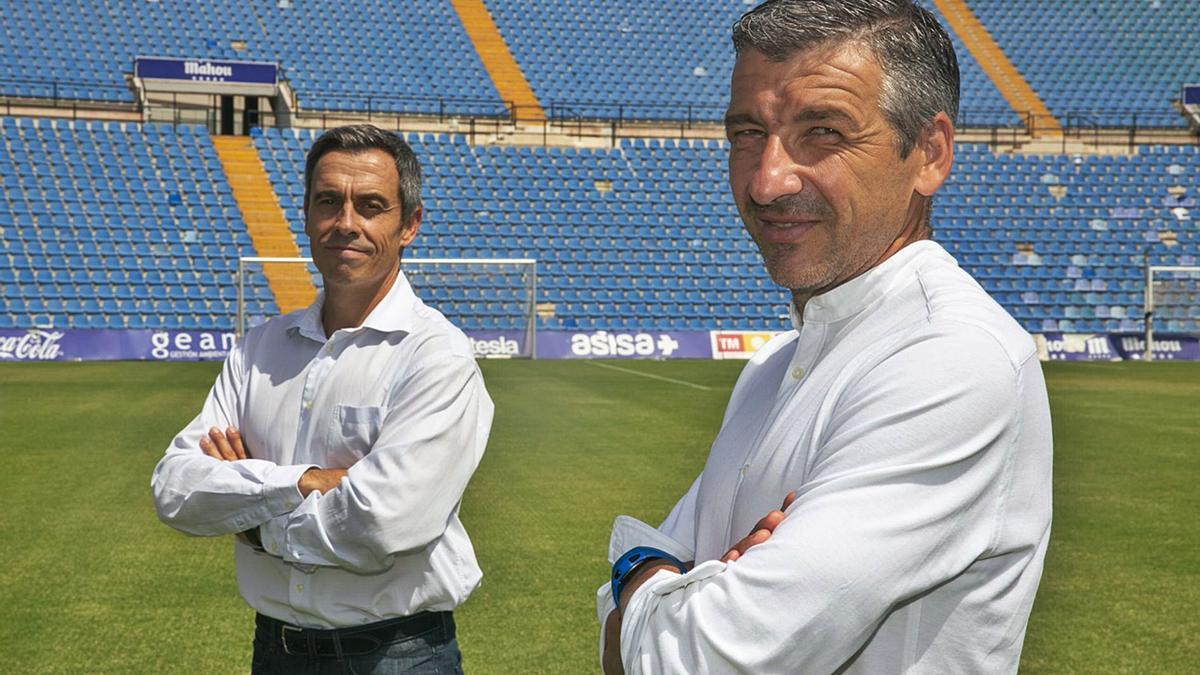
185,345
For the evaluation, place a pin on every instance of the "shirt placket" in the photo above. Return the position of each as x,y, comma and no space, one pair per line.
300,591
808,346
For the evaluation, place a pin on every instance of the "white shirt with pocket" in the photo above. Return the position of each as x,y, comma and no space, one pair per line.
401,404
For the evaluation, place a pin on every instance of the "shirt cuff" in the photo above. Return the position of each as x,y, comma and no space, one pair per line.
281,488
628,532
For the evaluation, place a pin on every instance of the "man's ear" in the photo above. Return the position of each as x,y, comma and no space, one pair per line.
936,148
409,231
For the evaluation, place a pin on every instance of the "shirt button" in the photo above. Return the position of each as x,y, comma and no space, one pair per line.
299,588
307,405
797,373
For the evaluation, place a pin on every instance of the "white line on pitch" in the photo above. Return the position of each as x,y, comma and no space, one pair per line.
653,377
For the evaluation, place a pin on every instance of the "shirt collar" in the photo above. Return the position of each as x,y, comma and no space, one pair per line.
393,313
864,290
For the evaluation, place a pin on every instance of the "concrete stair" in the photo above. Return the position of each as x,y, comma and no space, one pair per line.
1039,121
290,282
506,75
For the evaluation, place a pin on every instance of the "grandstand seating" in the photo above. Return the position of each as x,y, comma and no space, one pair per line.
664,242
664,247
1102,58
124,225
410,57
113,225
638,60
582,58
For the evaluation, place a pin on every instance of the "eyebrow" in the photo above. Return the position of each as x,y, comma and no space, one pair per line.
735,119
823,115
806,115
367,194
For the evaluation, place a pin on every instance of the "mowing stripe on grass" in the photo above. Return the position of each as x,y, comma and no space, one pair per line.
649,375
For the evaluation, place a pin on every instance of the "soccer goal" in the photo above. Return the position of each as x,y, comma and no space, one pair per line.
1172,301
488,298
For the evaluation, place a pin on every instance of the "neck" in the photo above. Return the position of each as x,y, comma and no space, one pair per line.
916,228
349,306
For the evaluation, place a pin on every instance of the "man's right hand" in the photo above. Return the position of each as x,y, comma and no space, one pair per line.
320,480
762,531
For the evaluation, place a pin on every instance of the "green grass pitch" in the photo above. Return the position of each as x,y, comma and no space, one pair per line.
91,582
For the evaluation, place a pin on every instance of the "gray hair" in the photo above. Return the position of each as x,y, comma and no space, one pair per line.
360,138
915,55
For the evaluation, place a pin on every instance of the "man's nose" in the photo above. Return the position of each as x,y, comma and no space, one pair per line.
777,174
346,219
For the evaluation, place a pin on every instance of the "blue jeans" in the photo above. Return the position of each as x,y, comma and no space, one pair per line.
433,651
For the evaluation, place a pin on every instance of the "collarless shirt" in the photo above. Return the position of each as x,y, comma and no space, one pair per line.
398,401
909,413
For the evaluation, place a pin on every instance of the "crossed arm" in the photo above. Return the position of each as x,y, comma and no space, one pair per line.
761,532
431,437
228,446
905,492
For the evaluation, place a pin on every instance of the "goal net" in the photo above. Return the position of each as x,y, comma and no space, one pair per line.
493,300
1172,302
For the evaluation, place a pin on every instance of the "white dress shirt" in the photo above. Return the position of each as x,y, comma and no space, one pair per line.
909,413
400,402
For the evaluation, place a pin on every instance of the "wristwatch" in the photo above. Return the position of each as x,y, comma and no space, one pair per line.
631,560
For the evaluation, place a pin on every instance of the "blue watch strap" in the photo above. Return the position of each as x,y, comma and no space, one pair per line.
631,560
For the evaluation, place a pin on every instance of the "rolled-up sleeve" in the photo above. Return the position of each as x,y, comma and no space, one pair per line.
402,494
201,495
903,495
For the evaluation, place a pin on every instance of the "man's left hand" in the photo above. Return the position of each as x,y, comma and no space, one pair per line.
761,532
226,446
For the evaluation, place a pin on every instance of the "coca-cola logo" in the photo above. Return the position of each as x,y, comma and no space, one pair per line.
36,345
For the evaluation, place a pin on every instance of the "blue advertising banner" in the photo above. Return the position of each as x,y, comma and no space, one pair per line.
603,344
1191,94
204,70
41,344
1166,347
498,344
113,345
1116,347
1076,347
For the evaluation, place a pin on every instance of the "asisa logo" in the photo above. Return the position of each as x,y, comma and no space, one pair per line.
603,343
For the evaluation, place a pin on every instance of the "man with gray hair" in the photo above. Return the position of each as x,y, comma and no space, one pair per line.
890,458
337,441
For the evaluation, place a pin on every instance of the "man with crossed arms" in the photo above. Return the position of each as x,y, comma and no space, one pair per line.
338,441
903,426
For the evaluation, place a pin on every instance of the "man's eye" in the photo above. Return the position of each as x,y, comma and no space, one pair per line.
824,131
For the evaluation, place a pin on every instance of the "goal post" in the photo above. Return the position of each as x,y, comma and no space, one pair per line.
1173,297
482,296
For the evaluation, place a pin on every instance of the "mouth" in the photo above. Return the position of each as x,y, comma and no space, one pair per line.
784,230
346,251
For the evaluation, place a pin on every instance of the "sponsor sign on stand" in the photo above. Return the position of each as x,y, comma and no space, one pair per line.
1115,347
42,344
248,78
498,344
1166,347
739,344
604,344
1075,347
114,345
206,70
